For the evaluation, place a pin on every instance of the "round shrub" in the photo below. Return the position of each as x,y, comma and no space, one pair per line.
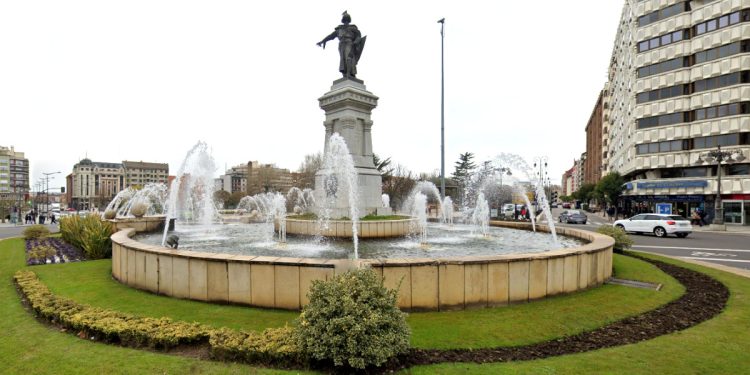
110,214
35,231
622,240
352,320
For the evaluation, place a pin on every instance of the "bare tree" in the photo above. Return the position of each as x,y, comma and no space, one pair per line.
307,170
399,184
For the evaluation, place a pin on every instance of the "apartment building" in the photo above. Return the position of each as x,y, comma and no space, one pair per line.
139,173
692,95
263,178
14,178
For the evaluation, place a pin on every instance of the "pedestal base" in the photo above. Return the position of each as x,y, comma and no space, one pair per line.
717,227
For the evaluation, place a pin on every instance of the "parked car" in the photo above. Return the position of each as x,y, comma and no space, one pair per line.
572,216
660,225
566,205
553,205
508,210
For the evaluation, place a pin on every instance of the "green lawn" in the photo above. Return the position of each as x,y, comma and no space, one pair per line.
27,346
718,346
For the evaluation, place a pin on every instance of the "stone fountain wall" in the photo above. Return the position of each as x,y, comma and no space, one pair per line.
426,284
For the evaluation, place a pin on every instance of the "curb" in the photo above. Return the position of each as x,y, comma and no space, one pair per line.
718,267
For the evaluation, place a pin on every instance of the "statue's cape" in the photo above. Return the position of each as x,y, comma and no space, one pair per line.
358,47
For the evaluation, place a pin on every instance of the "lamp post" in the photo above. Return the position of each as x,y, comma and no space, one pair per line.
541,161
46,188
501,171
442,107
717,156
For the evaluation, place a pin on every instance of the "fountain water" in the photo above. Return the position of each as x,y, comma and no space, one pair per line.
481,215
419,210
301,201
386,199
191,194
448,210
339,178
279,215
428,189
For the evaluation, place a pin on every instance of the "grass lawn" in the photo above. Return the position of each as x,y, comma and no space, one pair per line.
718,346
27,346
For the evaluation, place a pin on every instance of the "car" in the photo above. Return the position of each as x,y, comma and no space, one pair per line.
661,225
572,216
553,205
508,210
566,205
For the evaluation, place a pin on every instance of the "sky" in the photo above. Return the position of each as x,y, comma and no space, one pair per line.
146,80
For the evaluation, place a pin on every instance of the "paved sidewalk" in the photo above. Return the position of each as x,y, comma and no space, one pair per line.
734,229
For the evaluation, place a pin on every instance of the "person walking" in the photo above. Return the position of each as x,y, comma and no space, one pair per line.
53,219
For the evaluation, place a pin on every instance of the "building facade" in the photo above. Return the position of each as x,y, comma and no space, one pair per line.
592,165
139,173
692,94
264,178
92,185
234,180
14,181
568,182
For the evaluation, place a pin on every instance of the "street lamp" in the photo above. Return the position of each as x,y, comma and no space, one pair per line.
442,107
46,189
541,161
501,171
717,156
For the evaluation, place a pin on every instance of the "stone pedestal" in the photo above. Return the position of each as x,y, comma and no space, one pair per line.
348,106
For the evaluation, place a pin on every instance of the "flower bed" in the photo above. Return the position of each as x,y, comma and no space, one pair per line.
51,250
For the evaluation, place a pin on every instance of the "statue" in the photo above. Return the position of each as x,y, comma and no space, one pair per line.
351,44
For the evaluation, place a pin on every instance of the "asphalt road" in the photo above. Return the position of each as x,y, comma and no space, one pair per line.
729,249
9,230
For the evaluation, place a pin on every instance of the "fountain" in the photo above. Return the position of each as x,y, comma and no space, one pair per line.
440,266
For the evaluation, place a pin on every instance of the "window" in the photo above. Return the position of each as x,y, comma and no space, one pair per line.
663,13
738,169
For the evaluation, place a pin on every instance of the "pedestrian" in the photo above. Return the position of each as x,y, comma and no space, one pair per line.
515,213
702,215
523,213
53,219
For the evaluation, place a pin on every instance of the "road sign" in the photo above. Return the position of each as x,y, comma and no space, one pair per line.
664,208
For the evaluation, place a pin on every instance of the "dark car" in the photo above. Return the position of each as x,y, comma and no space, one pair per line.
566,205
572,216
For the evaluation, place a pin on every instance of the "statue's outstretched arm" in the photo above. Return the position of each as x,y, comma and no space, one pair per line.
329,38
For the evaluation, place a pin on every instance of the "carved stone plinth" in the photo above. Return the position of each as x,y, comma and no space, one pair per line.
348,106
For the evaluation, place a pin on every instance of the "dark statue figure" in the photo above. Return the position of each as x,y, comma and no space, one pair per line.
173,241
351,44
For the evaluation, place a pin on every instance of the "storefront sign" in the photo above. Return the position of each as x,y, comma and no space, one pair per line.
671,184
665,198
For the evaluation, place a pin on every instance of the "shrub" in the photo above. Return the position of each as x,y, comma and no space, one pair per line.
622,239
71,228
272,346
352,320
107,325
110,214
35,231
89,233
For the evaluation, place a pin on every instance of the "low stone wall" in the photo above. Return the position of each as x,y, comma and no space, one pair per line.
144,224
341,228
426,284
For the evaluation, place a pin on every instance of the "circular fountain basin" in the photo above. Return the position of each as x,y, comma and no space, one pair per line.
343,228
425,283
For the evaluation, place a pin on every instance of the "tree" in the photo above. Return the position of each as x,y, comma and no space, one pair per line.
463,169
383,166
610,188
584,193
399,185
308,168
220,197
234,199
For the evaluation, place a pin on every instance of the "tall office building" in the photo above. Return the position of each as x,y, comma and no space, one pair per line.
678,89
14,178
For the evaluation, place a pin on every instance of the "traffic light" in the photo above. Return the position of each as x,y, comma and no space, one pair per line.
553,197
62,189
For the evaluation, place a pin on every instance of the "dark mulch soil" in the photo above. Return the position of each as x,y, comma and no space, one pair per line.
704,298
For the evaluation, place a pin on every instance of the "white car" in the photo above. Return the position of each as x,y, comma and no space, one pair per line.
660,225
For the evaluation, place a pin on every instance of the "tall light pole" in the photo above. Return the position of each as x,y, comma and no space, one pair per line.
717,156
46,189
442,107
541,161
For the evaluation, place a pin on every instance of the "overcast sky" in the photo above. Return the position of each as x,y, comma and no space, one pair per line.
146,80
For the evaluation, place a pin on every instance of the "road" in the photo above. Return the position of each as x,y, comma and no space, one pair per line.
728,249
9,230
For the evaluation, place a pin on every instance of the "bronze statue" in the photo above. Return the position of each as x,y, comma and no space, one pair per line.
351,44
